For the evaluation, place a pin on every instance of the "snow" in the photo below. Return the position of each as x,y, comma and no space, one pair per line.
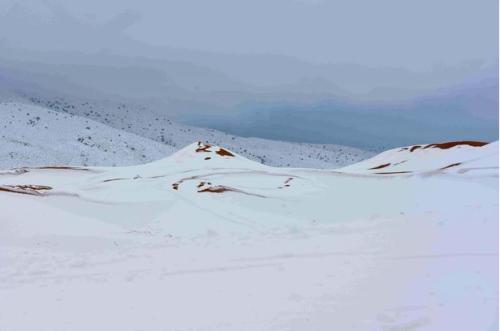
34,136
84,133
226,243
461,158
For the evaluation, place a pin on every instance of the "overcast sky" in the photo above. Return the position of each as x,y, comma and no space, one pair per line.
431,63
413,34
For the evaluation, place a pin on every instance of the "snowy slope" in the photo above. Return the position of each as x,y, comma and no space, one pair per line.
156,125
206,239
32,135
458,156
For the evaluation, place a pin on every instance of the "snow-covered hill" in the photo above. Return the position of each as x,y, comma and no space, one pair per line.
35,136
85,133
206,239
457,156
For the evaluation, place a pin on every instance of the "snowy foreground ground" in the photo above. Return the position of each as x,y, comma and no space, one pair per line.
208,240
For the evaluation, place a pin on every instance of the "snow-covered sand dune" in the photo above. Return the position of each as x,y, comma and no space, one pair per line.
206,239
454,157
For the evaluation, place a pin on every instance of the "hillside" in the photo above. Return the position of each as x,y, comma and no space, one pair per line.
453,157
57,132
36,136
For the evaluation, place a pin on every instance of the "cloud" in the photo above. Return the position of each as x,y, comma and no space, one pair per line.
123,20
310,2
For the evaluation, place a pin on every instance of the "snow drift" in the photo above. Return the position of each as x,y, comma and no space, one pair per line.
207,239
